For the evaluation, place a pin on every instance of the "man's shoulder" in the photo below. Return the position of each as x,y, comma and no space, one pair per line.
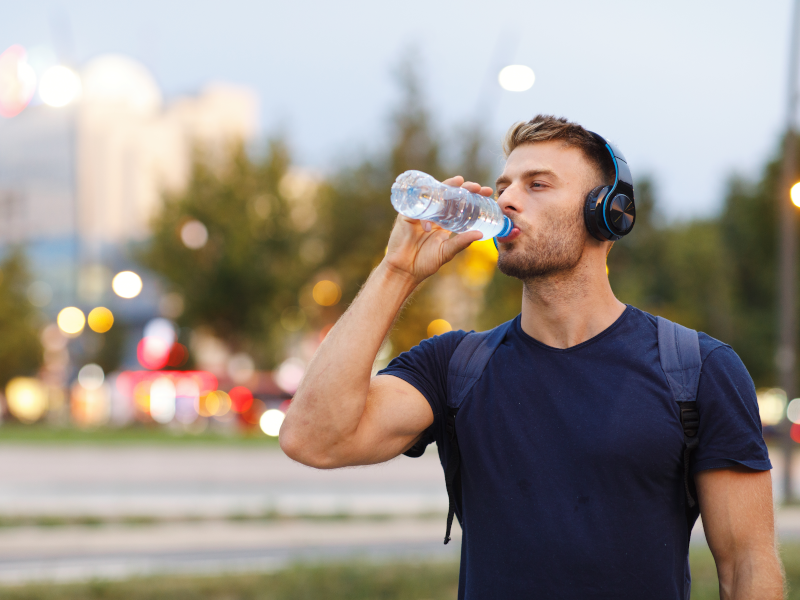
707,343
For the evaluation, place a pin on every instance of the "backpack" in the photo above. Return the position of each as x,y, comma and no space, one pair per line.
679,354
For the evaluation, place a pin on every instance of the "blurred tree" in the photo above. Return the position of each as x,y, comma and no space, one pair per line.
358,215
242,283
21,350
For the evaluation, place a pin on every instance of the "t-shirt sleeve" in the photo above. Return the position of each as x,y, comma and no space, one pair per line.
730,425
425,367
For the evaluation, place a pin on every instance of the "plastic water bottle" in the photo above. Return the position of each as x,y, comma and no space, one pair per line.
417,195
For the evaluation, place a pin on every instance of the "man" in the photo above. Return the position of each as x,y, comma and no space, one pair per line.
571,442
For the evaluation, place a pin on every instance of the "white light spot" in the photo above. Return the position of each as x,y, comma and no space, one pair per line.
516,78
271,422
91,377
126,284
194,235
59,86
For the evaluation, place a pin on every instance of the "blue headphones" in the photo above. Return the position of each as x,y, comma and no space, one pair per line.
609,211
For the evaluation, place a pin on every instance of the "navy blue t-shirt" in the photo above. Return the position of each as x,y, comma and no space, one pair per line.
571,467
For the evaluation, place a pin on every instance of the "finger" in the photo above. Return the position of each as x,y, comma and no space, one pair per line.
459,242
454,181
471,186
486,191
426,225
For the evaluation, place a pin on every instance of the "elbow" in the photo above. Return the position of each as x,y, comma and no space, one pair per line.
296,447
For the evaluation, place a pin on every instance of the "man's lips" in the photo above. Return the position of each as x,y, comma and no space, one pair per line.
515,233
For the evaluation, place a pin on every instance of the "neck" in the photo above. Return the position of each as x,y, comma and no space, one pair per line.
567,308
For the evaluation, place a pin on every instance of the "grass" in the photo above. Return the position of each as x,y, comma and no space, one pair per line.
135,434
353,581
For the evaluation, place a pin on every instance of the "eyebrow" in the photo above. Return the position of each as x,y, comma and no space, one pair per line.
527,175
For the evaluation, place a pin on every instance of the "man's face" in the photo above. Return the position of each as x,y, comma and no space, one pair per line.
542,190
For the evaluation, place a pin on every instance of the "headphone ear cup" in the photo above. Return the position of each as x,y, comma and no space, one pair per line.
591,216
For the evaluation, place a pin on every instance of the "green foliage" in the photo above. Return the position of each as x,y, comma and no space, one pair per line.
402,581
358,216
240,283
717,275
21,350
355,581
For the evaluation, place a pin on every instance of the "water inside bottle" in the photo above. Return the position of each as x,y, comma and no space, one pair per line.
419,196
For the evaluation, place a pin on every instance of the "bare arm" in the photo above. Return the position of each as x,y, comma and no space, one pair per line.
736,506
341,416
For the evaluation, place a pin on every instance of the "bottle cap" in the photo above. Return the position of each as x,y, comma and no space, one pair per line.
507,227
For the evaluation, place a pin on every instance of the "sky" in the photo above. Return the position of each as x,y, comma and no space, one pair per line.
690,91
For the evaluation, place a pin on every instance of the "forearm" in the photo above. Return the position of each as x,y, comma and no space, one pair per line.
753,575
330,401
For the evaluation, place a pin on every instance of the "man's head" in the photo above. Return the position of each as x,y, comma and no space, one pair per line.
551,166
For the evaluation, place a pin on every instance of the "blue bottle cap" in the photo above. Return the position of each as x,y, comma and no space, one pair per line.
507,227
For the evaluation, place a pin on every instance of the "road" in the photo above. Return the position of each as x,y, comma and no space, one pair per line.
390,510
206,481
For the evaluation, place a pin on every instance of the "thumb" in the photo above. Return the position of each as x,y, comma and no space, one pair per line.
458,243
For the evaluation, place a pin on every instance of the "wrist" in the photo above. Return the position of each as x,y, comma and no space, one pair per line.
395,278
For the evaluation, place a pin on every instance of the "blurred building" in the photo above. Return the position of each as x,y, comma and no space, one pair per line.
81,182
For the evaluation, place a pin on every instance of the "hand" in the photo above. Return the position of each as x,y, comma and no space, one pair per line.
418,249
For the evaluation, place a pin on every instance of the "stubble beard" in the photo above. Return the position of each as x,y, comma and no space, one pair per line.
555,250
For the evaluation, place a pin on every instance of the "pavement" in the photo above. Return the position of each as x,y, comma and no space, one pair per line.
76,553
206,481
206,503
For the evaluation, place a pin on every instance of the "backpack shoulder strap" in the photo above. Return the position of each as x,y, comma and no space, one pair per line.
469,361
679,353
465,368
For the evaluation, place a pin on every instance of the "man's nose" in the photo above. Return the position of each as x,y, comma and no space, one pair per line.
508,200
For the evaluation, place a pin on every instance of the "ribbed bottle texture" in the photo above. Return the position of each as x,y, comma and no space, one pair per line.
417,195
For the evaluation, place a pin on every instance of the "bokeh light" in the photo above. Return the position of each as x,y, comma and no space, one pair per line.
90,408
289,374
100,319
91,377
516,78
71,320
794,193
59,86
271,422
187,394
326,293
162,400
478,263
194,234
793,411
241,399
126,284
241,367
26,398
438,327
17,81
178,355
215,404
771,405
153,353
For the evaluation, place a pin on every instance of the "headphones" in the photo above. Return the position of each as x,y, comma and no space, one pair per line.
609,211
